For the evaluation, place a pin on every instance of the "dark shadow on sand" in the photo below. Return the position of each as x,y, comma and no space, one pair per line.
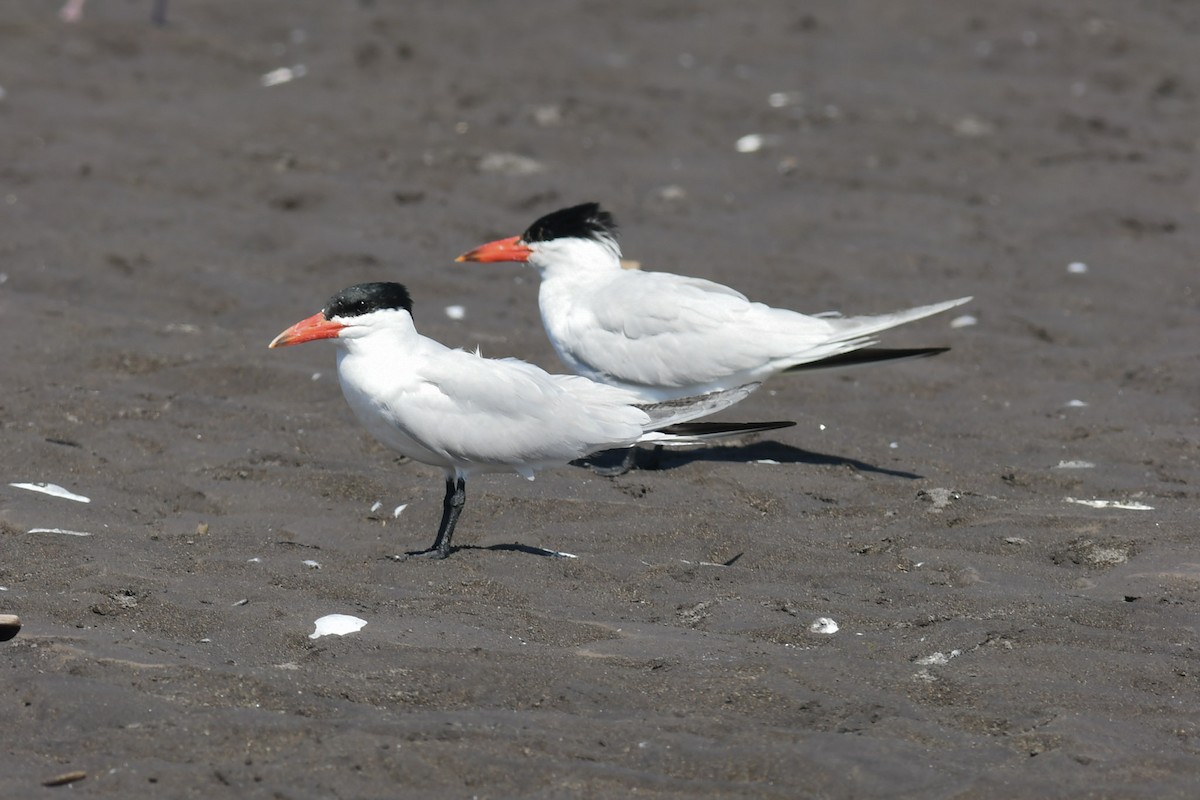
660,458
513,547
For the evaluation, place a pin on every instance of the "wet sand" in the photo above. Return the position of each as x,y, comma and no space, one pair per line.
164,214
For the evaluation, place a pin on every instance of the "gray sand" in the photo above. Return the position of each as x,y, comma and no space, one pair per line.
164,215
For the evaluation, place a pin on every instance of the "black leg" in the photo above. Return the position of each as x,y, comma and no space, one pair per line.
656,457
452,506
627,463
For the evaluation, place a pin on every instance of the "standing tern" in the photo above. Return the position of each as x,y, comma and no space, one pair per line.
668,336
468,414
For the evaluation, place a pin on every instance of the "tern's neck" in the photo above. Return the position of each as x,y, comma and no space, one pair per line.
576,260
384,338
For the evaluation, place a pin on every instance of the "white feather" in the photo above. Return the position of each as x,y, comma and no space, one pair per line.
468,414
667,336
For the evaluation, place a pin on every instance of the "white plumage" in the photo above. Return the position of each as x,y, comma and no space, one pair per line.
468,414
664,335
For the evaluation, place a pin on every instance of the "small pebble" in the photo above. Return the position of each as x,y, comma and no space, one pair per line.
784,99
1077,268
547,116
970,127
65,778
671,193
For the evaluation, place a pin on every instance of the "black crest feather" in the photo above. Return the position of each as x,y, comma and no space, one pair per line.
363,298
586,221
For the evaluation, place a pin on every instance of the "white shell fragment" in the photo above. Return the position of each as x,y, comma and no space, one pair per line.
1077,268
671,193
965,321
1076,404
376,506
824,625
456,312
311,564
940,498
398,510
510,164
1075,465
181,327
283,75
59,531
1110,504
939,659
752,143
54,490
336,624
785,99
972,127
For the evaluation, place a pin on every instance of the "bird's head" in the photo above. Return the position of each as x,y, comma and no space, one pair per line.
577,236
352,313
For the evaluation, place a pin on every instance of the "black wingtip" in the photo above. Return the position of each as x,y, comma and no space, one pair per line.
868,355
724,428
584,221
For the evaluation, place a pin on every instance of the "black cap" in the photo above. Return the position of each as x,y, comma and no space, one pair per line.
364,298
586,221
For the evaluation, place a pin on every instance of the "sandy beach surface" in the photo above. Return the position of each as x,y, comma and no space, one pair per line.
1004,537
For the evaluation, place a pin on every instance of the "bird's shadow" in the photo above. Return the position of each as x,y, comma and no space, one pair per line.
661,458
513,547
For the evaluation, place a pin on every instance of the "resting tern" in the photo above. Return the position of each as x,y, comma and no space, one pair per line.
468,414
667,336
